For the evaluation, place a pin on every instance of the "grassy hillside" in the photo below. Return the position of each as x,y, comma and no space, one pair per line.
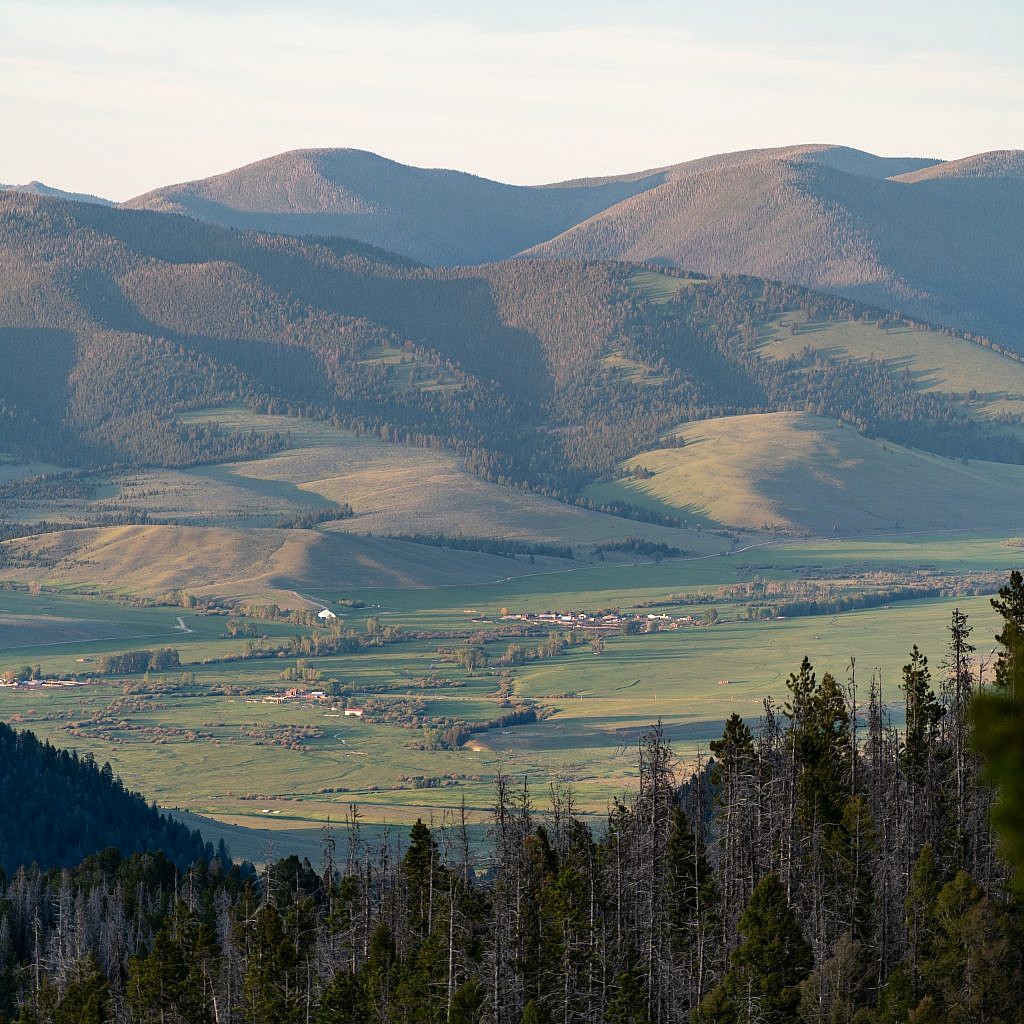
983,381
394,489
799,472
245,563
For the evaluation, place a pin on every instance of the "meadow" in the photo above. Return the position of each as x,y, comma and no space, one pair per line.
805,474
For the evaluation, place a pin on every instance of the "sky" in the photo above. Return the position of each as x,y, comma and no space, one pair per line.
117,98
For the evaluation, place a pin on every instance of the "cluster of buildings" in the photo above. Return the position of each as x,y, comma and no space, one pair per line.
296,693
9,682
293,693
607,620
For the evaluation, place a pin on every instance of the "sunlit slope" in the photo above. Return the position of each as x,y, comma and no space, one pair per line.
943,247
985,381
804,473
250,563
393,489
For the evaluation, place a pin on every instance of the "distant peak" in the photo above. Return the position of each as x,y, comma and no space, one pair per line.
996,163
39,188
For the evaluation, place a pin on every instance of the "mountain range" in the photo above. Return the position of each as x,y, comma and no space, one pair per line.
546,372
931,239
584,346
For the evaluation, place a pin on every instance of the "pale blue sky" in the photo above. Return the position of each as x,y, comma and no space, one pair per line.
119,97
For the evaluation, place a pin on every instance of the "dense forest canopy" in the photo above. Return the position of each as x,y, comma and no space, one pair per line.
822,866
57,808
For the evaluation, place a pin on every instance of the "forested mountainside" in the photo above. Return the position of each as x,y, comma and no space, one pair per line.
999,163
439,216
539,372
57,808
432,215
937,243
935,240
822,867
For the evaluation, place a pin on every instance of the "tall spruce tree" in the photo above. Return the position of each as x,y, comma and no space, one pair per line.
767,968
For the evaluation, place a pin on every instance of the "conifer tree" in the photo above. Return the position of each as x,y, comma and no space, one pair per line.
766,969
998,733
922,718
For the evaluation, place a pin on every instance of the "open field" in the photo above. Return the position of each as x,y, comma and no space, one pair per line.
210,743
806,474
191,751
985,381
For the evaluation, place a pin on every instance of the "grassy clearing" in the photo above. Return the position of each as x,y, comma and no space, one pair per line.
661,287
805,474
988,382
624,370
407,373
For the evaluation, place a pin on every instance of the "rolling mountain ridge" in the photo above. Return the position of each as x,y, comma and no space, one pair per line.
931,239
434,216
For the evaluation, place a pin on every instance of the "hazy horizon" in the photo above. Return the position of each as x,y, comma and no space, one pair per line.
116,99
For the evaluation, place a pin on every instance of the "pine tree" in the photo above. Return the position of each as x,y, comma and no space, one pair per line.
380,972
1010,605
966,977
629,1004
86,999
998,729
422,871
343,1001
766,969
925,883
923,714
534,1014
468,1003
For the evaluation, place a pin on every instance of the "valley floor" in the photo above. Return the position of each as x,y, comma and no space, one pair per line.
211,735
